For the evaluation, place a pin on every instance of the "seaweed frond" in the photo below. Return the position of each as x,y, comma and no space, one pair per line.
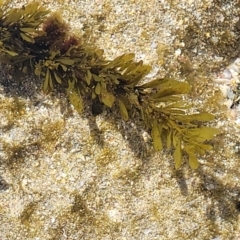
18,29
32,41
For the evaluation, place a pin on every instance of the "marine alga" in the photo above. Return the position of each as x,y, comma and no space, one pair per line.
34,40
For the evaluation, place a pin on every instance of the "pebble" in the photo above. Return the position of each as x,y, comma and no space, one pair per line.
210,186
229,81
178,52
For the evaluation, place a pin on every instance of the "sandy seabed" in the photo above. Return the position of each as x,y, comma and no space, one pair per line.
70,176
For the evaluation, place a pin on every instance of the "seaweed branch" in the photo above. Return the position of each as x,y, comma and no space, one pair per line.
33,40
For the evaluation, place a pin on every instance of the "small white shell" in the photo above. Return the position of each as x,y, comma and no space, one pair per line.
224,77
222,80
233,71
227,73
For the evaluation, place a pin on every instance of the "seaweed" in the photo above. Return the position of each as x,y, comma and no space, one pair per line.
34,40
